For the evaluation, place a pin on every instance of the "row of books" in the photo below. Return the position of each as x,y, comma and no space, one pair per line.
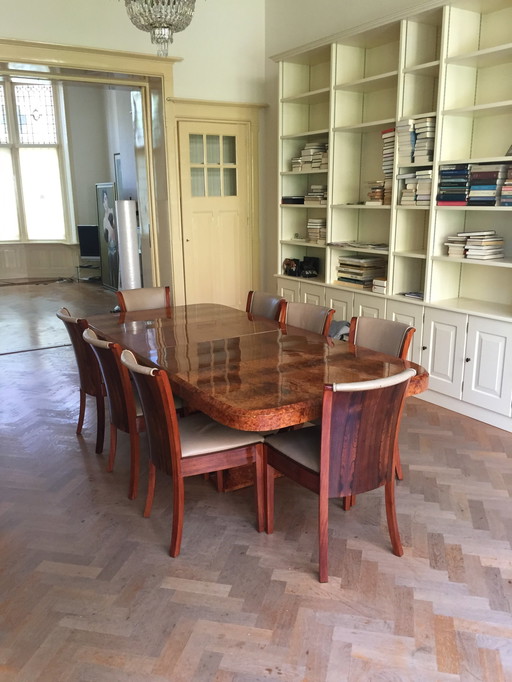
316,196
388,159
314,156
476,184
360,270
477,245
416,139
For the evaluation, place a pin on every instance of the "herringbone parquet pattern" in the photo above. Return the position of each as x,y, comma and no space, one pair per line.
89,594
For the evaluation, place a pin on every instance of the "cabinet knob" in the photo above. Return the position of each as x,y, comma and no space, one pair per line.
423,348
468,360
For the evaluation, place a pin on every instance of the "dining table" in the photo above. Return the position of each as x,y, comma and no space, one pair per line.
246,372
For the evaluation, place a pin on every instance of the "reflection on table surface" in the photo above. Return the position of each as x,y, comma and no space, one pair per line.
247,373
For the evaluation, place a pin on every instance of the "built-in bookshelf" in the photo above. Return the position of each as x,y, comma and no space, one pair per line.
444,76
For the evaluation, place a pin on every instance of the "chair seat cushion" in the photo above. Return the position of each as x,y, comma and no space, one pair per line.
303,445
201,435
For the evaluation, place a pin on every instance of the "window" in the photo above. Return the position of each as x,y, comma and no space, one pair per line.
30,162
213,165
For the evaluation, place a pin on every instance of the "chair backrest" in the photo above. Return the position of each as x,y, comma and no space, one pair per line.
157,401
88,369
360,424
265,305
314,318
383,336
146,298
121,400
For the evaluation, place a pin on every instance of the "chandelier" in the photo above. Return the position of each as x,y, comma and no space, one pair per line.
161,18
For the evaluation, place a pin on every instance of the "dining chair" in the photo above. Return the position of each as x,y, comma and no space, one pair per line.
89,374
314,318
261,304
352,452
196,444
146,298
384,336
124,406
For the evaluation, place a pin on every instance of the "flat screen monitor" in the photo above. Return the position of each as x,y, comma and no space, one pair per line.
89,241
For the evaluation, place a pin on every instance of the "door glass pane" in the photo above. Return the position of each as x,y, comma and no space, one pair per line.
212,149
9,226
196,149
42,196
230,182
197,179
214,182
4,138
35,111
229,148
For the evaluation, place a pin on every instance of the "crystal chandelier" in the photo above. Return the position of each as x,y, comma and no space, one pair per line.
161,18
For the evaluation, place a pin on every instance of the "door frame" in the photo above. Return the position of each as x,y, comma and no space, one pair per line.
201,111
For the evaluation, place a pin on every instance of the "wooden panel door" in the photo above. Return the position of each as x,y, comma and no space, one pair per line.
217,234
444,341
488,365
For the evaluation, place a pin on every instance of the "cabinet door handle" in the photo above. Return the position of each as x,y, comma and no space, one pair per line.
424,348
468,359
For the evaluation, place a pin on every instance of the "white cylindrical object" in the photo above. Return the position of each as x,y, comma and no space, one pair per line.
129,259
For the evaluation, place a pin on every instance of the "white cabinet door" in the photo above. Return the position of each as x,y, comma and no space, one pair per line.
444,337
312,293
369,306
488,365
343,303
408,313
288,289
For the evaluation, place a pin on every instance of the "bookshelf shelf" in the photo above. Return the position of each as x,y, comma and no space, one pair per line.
370,84
501,263
306,172
306,133
501,54
428,69
313,97
368,126
491,109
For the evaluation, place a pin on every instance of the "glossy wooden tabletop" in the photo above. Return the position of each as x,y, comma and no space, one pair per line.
246,373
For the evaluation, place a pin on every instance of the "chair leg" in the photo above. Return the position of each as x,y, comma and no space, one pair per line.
348,502
134,465
323,539
178,509
269,494
100,423
219,479
394,533
113,448
151,490
398,465
260,488
81,413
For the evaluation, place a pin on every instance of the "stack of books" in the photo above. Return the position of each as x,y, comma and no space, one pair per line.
453,185
316,229
359,270
317,195
455,245
485,181
312,157
483,245
379,285
506,189
375,193
425,129
406,137
424,187
408,192
388,151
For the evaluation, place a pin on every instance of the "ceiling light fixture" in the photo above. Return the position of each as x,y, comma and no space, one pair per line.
161,18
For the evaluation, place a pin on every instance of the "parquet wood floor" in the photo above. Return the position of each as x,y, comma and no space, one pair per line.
89,594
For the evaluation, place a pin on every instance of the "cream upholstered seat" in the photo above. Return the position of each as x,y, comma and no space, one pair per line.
146,298
314,318
193,445
124,406
91,382
350,453
261,304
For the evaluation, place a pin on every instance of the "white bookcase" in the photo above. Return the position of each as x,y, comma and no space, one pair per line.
449,63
